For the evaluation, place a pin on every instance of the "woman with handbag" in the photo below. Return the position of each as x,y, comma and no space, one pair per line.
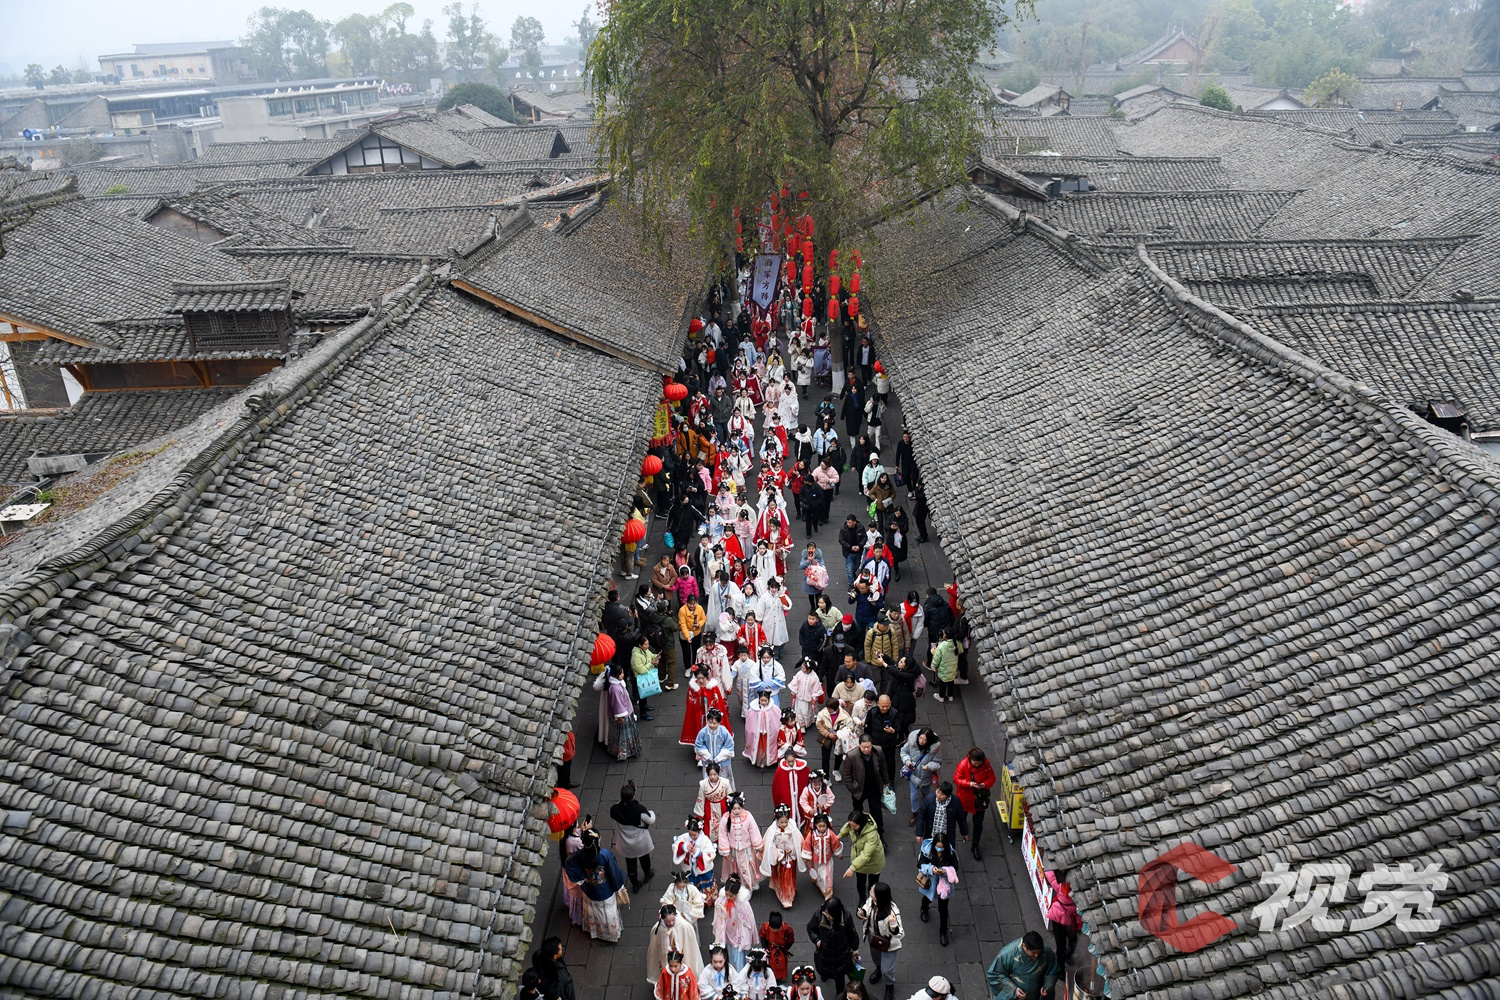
972,780
921,766
937,875
883,930
643,663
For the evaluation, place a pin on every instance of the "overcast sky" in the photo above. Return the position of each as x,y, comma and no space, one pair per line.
80,31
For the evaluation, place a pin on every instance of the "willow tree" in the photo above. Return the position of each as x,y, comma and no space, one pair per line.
709,105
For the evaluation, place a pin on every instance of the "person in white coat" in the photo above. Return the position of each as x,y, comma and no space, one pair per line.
671,933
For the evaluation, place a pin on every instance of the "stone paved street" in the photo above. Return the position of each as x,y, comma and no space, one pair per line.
994,904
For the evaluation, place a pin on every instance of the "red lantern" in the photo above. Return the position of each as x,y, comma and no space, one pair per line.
711,356
854,283
675,392
775,241
880,368
786,192
833,308
604,650
853,306
650,466
635,530
695,325
807,277
736,211
833,259
857,261
739,227
775,222
739,244
807,249
792,243
833,286
791,270
807,306
803,195
565,810
807,226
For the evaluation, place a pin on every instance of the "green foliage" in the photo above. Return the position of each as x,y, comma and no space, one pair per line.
1020,78
286,44
1334,89
82,75
482,96
721,102
526,38
588,30
358,39
59,75
469,39
1215,96
35,75
117,189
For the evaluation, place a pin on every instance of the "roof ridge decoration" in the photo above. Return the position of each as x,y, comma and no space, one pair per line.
1465,468
1079,250
32,587
1379,306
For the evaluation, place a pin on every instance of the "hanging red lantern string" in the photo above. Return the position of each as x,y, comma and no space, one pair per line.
807,225
793,243
807,306
675,392
807,249
833,259
791,271
650,465
833,286
635,530
807,277
853,306
775,241
857,262
739,244
854,283
736,211
786,192
833,308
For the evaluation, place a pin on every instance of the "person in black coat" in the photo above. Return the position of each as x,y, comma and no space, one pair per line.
835,939
919,509
852,545
939,617
557,981
906,461
811,637
814,505
852,409
902,687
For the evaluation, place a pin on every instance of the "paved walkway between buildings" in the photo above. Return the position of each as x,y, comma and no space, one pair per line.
994,904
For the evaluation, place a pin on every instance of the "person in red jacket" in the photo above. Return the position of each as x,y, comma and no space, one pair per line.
1064,917
972,780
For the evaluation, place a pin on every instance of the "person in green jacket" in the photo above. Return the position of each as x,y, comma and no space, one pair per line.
945,665
1025,969
866,851
642,661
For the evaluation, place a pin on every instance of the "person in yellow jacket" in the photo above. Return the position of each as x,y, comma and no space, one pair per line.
691,620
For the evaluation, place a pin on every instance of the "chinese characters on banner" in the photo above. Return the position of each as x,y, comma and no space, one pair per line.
1034,867
763,279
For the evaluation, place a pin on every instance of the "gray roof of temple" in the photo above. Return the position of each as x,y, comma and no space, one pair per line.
1410,91
1347,191
163,339
1236,598
295,152
591,277
1410,352
519,143
1478,109
1129,173
1246,273
448,230
256,717
100,423
174,179
1131,215
1070,135
230,296
355,201
430,139
227,211
333,283
68,266
467,118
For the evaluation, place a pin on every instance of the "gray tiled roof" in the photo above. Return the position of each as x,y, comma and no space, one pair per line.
265,732
1347,192
1481,110
592,277
228,212
230,296
174,179
1131,215
1130,173
356,201
296,152
1070,135
1240,274
135,340
101,423
333,283
1410,92
71,265
467,118
1235,599
519,143
431,140
1410,352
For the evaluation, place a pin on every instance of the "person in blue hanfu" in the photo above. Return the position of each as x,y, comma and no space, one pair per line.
715,745
597,874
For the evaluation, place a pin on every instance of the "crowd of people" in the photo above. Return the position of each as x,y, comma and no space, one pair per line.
826,699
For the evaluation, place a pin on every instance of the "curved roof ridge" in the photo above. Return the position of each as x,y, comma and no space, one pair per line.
1465,468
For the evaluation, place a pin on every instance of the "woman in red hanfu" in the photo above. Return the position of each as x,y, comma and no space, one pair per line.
788,784
703,694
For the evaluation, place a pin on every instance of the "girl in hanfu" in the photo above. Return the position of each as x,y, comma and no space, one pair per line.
686,896
624,736
740,844
671,934
817,797
677,980
694,852
713,801
762,723
734,922
703,694
819,847
789,737
788,783
781,858
807,693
